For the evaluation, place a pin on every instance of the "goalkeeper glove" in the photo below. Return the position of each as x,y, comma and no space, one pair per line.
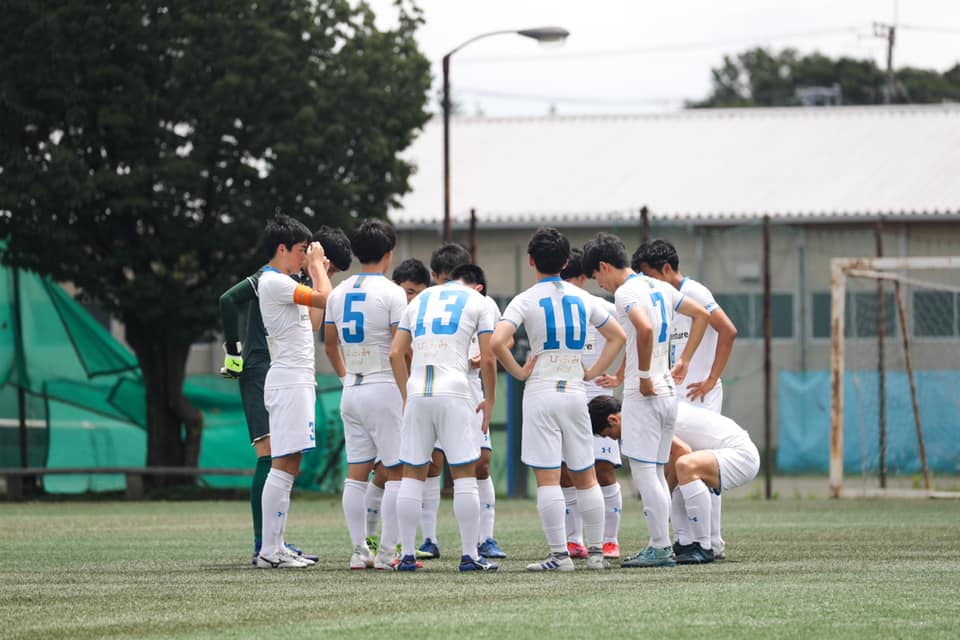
232,361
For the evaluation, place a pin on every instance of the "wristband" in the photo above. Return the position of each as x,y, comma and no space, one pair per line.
643,375
233,348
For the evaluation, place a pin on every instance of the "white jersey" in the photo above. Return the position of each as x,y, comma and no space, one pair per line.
364,307
288,328
660,302
442,320
556,315
594,347
703,357
475,383
703,429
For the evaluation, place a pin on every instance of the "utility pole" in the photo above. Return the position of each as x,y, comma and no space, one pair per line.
889,33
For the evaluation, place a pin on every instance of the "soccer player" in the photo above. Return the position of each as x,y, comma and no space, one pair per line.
702,386
439,406
649,398
443,261
412,276
556,425
289,390
606,450
718,456
473,276
362,315
250,361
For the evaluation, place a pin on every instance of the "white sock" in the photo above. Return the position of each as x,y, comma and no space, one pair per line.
409,500
612,508
656,501
388,515
715,507
275,504
466,509
354,510
488,508
372,500
697,500
573,520
678,517
590,503
430,509
550,506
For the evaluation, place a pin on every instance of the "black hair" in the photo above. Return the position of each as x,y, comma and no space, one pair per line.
282,229
655,254
604,247
600,409
336,246
448,257
549,249
372,240
574,268
470,274
411,270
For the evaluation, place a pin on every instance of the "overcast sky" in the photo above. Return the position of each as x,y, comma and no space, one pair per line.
645,55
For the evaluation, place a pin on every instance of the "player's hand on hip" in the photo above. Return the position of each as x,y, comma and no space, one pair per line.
646,387
699,390
475,362
679,371
607,381
528,367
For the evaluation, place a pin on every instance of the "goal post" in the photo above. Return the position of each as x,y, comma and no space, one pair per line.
895,335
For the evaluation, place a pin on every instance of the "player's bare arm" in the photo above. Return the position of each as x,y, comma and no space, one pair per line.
644,328
402,342
488,376
615,339
502,336
701,318
726,334
331,344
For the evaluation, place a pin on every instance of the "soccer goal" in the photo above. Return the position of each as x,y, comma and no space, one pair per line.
895,374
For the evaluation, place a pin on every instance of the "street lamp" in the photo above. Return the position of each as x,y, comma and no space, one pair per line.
543,35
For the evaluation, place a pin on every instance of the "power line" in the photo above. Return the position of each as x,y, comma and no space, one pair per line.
678,47
612,101
946,30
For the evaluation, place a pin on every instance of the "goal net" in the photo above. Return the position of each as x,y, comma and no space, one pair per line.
895,374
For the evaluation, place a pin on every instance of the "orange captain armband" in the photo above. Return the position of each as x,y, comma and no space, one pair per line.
302,295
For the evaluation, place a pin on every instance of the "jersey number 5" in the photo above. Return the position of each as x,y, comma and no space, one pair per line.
354,316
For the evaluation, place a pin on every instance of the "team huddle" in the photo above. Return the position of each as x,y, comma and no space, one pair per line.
417,354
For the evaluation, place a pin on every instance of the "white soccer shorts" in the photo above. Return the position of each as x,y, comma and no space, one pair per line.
738,465
372,414
444,419
292,411
607,450
556,427
648,426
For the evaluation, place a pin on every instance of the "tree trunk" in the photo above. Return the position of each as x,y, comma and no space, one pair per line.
174,426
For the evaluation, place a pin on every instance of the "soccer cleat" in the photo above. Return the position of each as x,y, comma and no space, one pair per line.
720,551
611,550
682,548
308,557
384,561
490,549
597,561
396,562
577,550
651,557
423,555
695,554
429,547
554,562
372,543
361,558
408,563
281,560
480,564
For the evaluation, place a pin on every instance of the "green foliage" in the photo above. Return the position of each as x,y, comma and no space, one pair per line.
144,145
763,78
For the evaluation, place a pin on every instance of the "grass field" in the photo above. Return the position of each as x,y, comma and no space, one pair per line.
797,568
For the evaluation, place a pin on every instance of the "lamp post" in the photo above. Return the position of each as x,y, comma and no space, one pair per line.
540,34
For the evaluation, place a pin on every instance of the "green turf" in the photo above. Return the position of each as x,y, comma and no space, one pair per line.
796,569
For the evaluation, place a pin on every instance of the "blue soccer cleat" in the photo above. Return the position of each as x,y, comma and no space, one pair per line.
407,563
480,564
490,549
429,547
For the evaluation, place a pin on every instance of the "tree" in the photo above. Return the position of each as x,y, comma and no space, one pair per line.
760,78
144,145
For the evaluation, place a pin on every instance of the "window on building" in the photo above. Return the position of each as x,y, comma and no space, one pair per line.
935,314
746,312
861,315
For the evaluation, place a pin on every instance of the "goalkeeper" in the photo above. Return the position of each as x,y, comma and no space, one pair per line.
251,362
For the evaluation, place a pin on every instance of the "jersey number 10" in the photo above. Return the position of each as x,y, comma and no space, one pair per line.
570,305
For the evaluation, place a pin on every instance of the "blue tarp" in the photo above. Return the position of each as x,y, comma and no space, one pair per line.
805,422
